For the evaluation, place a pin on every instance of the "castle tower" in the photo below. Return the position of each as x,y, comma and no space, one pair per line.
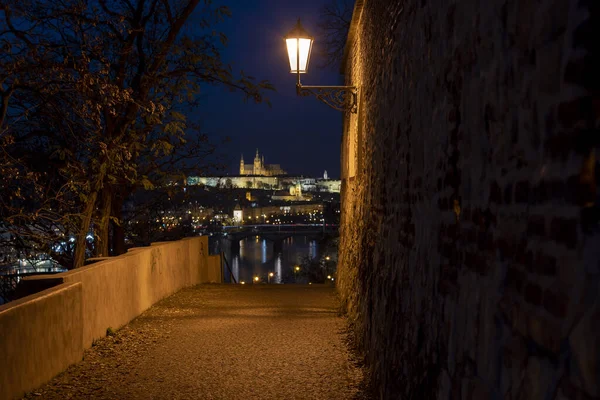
257,166
242,166
325,175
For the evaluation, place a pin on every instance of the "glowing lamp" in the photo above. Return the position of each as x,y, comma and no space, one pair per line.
299,45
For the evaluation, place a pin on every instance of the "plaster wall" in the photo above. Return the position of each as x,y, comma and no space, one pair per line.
118,289
42,334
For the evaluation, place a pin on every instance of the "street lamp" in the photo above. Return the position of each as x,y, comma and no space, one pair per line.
270,276
256,279
299,45
296,270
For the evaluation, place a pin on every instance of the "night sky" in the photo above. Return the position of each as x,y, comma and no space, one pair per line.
300,133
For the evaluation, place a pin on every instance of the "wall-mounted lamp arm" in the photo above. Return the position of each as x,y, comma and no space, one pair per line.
341,98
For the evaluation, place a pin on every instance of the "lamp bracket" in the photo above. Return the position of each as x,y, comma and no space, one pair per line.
341,98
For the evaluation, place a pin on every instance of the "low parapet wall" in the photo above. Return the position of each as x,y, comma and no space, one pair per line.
118,289
42,334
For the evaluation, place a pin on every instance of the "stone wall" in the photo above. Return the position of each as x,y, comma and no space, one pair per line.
469,253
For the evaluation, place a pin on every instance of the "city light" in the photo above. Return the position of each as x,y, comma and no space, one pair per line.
242,283
328,276
256,279
271,274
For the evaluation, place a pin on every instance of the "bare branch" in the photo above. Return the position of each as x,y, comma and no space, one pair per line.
333,26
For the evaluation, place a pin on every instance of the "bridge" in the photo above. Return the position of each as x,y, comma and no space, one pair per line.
277,233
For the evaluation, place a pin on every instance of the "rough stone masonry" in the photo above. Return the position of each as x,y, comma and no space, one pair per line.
469,256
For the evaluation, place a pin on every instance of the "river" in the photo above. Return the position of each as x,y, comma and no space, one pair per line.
256,258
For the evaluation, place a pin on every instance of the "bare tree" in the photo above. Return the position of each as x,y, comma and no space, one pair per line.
333,26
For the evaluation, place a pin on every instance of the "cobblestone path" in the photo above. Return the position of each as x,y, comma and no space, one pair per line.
221,342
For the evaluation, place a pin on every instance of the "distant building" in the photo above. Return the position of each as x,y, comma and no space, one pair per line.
259,175
294,194
308,184
230,182
267,183
329,185
259,168
238,214
267,212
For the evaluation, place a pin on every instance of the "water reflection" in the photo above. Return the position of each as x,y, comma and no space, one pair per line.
257,257
312,250
12,273
235,269
30,267
278,269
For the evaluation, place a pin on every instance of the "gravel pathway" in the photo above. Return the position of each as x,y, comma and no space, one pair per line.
221,342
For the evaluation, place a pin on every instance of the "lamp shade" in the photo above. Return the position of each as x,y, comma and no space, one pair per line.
299,44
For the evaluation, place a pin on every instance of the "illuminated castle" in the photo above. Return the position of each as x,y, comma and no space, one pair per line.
260,168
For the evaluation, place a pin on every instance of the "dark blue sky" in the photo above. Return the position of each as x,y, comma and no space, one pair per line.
300,133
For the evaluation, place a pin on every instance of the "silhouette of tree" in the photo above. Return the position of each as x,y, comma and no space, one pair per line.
333,25
100,89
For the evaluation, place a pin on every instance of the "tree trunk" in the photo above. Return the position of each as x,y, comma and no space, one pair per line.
118,239
86,219
101,248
